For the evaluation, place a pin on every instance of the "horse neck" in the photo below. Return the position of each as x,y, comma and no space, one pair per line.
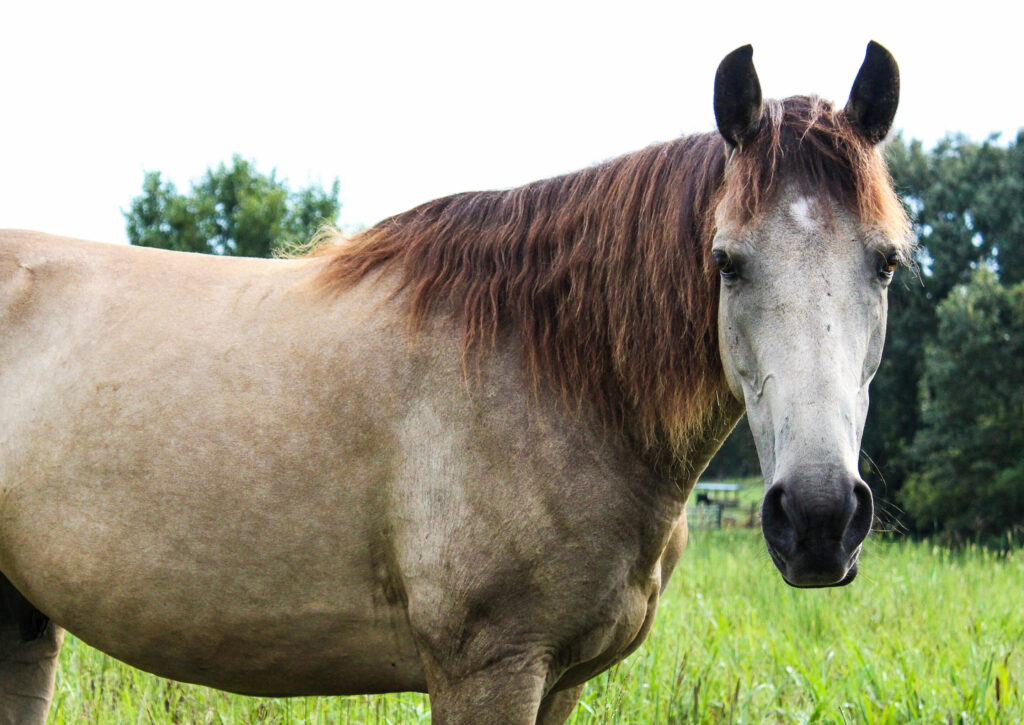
602,272
620,309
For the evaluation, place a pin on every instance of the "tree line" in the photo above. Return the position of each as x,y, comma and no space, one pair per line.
943,447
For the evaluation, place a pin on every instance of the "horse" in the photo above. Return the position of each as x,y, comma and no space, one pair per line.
450,453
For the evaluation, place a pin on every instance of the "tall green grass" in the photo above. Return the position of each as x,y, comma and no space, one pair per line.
924,635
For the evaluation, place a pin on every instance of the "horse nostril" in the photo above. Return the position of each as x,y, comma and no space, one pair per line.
787,519
776,523
863,515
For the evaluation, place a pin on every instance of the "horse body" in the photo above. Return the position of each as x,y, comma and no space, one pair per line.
215,451
282,495
452,453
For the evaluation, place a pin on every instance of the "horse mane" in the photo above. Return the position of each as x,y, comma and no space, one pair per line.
605,272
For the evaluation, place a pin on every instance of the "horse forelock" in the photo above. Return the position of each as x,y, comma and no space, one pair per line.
807,141
603,272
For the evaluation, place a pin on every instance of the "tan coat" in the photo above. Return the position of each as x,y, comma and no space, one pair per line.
213,471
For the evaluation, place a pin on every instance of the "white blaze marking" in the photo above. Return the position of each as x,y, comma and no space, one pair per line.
801,212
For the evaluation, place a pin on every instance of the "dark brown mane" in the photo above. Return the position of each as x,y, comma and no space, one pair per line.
604,271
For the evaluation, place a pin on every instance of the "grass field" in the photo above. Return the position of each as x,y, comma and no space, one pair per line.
923,636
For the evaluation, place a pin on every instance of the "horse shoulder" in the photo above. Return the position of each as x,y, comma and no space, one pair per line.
510,511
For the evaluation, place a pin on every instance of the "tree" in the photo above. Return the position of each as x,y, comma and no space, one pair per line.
232,210
968,482
965,202
997,210
737,458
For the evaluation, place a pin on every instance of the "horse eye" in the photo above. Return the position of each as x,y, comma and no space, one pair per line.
890,261
726,267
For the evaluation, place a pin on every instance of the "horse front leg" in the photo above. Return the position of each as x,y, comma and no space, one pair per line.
557,706
27,671
499,694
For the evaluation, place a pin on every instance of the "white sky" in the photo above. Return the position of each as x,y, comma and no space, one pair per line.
405,102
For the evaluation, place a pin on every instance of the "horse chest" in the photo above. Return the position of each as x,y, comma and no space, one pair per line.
549,557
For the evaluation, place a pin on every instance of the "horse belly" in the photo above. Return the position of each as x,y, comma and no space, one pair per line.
280,598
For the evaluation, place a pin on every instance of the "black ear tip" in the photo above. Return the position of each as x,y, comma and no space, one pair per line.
878,52
745,53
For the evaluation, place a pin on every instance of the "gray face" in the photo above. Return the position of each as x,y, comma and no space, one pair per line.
801,326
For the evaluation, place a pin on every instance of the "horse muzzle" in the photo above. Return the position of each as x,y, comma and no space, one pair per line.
814,524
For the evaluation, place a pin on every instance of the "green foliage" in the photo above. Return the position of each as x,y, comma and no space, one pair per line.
894,415
969,479
965,201
233,210
737,458
924,635
996,209
937,187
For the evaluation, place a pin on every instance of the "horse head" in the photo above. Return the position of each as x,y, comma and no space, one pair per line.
808,235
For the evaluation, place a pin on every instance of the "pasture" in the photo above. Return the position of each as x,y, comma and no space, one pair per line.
924,635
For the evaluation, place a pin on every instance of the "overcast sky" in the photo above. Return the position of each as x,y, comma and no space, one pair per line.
404,102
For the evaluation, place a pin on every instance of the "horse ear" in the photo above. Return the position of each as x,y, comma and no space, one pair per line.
738,97
875,94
